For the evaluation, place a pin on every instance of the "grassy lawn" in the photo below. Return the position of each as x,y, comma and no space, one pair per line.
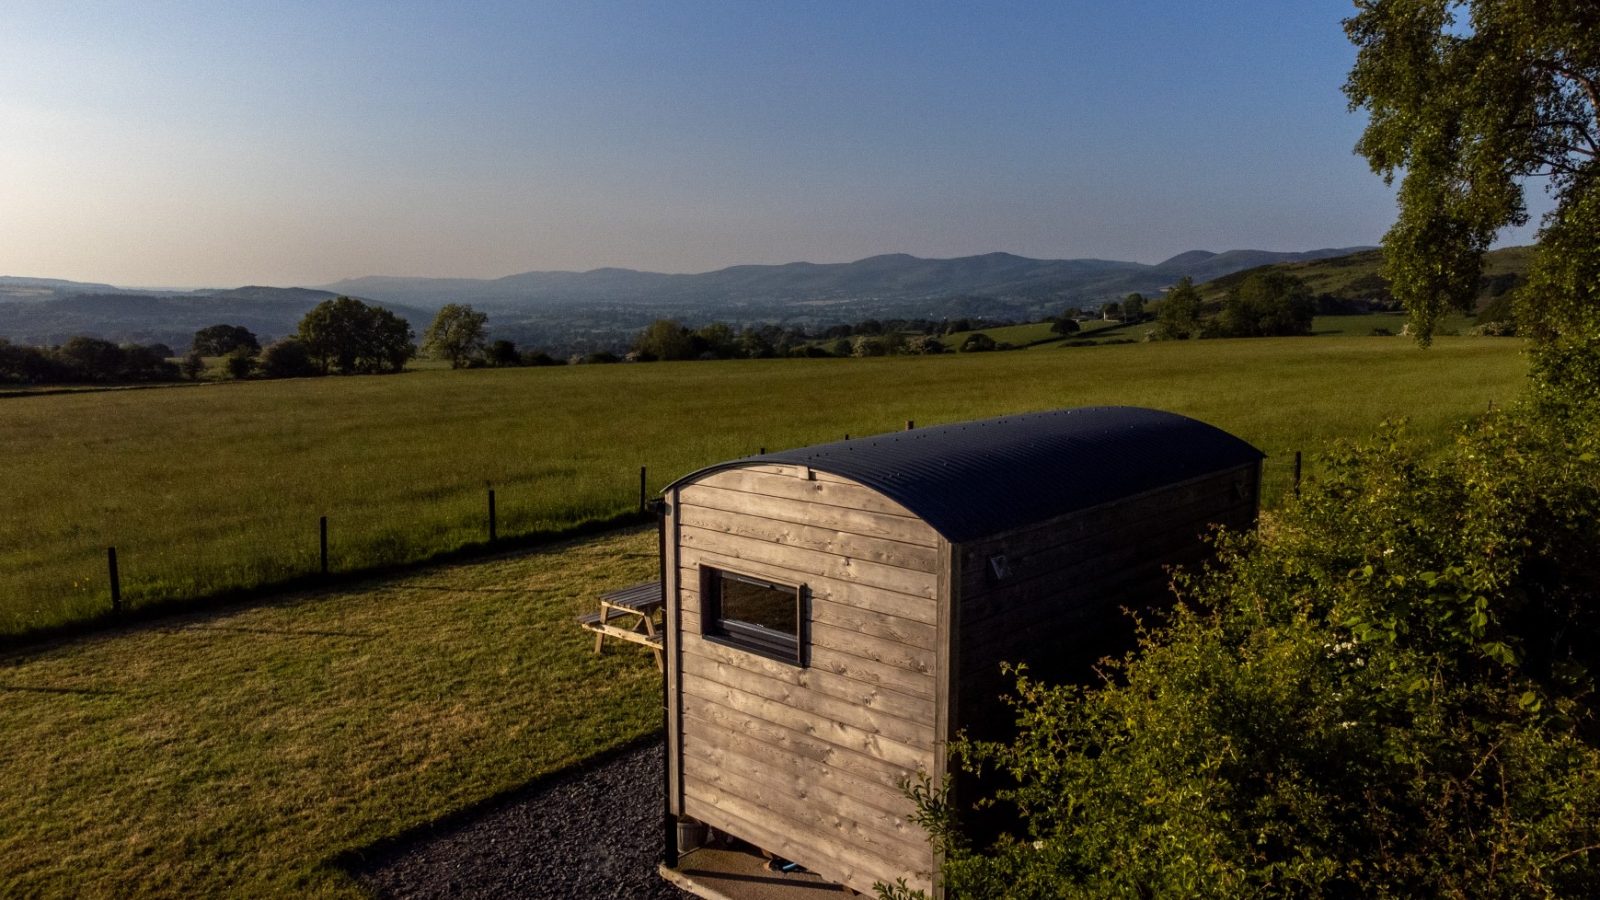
219,486
237,754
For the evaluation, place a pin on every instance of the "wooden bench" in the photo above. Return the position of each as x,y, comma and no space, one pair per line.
637,606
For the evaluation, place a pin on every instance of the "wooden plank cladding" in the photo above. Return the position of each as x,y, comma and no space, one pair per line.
800,512
890,578
812,754
846,494
825,540
905,568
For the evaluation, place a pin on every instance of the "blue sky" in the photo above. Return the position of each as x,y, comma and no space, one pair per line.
300,143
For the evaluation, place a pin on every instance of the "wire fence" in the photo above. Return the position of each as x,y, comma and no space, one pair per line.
1282,478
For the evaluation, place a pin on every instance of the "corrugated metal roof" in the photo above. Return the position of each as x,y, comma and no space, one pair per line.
974,479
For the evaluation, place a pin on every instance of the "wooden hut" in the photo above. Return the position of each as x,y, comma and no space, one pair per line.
836,613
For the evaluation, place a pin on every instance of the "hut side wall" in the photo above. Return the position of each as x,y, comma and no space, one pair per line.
1059,607
806,762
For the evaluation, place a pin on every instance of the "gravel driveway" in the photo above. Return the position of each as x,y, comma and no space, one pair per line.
594,831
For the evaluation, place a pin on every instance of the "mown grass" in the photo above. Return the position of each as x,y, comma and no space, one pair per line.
239,754
217,487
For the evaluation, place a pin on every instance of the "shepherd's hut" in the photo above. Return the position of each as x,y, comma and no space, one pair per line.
836,613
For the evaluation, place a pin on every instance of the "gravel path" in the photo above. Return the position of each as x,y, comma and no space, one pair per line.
590,832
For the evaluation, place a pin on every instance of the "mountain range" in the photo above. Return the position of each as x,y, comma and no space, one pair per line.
602,307
896,276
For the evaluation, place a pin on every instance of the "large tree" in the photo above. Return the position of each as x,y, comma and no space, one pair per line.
458,333
664,339
1178,317
220,340
1266,304
1471,100
356,338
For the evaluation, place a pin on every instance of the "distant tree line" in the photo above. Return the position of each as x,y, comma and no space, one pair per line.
85,360
670,340
340,336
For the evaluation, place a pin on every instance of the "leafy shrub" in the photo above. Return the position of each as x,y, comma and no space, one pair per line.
978,342
220,340
1387,691
241,363
503,353
193,365
287,358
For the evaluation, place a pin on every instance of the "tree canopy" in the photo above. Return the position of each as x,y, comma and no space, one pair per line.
356,338
220,340
1178,317
458,333
1265,304
1469,99
1388,694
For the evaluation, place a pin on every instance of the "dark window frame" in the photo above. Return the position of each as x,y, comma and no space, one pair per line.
748,636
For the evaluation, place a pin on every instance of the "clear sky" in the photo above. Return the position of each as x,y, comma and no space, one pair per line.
224,143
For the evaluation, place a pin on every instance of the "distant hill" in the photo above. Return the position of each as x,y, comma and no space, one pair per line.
603,308
897,278
170,318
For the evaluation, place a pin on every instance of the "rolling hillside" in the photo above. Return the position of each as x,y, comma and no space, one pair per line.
56,312
1354,277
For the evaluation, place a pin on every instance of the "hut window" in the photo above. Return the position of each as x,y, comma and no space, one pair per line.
753,614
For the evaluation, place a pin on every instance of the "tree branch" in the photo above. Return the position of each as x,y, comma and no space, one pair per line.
1587,83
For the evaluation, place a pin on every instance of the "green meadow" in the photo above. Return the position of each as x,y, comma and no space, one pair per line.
240,754
1034,333
210,488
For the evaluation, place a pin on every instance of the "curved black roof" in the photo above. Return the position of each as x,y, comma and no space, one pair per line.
974,479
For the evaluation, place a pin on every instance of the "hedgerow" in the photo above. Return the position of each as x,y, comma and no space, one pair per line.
1388,690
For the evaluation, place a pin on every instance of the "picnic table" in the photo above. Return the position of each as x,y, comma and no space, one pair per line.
635,606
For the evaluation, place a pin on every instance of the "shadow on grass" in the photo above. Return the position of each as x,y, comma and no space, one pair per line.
268,593
82,692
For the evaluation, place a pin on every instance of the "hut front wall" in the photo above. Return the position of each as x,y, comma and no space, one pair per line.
1057,601
806,762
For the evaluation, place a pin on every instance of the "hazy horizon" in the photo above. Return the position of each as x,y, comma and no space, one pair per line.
192,287
292,144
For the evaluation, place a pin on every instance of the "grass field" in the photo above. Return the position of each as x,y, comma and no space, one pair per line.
209,488
1036,333
1394,323
238,754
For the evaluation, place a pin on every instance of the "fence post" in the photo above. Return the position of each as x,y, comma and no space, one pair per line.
491,516
322,533
116,581
641,488
1297,473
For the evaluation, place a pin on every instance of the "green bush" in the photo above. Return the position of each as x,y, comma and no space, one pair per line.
1388,690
